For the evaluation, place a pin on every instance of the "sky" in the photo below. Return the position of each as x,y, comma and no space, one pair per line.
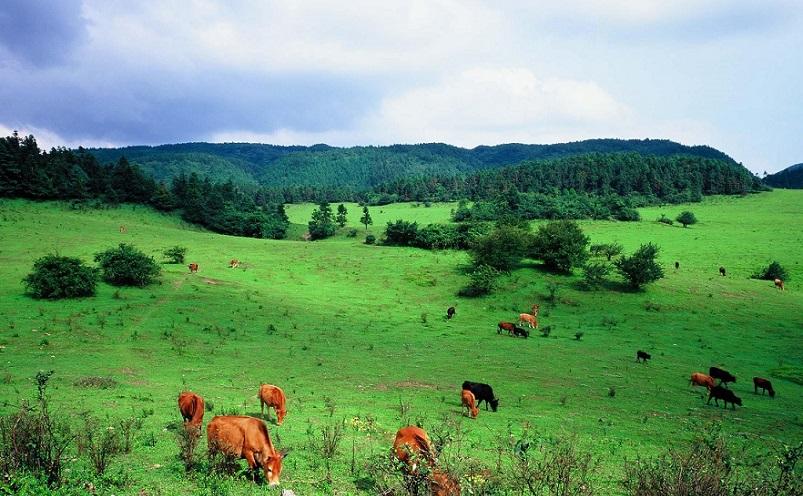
726,73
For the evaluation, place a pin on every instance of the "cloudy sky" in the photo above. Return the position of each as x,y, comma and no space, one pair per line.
728,73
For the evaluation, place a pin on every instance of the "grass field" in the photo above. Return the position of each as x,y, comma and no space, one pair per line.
359,329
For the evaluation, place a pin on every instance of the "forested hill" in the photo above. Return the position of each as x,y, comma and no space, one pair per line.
363,167
791,177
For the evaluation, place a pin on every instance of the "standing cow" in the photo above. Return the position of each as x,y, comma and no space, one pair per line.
764,384
469,403
191,407
413,448
273,396
779,284
482,392
193,267
722,271
450,313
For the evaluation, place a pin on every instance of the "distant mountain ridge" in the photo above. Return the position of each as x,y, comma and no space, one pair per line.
791,177
363,167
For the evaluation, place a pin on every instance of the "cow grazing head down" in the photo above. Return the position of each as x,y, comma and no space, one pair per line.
494,404
272,466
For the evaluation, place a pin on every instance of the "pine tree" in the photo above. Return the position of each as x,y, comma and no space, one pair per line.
322,224
366,217
341,215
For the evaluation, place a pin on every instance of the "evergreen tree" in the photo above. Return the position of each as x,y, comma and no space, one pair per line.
322,224
366,217
341,215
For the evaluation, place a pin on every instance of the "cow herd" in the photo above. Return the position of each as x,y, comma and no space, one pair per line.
721,392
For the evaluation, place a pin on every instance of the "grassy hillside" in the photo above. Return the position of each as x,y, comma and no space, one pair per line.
359,329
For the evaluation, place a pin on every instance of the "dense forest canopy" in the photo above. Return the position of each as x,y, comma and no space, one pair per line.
791,177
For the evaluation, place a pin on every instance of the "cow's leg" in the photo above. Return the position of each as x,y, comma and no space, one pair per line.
709,400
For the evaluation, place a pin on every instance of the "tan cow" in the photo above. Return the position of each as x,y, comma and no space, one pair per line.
246,437
700,379
779,284
469,403
530,318
273,396
234,263
413,447
191,407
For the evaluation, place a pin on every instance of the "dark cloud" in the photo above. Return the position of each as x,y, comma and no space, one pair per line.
170,107
40,32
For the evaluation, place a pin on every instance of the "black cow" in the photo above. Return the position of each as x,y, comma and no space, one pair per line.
722,271
482,392
677,265
450,313
642,355
765,386
723,375
726,395
519,331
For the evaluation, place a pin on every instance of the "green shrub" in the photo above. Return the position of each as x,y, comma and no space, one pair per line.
351,233
771,272
61,277
627,215
608,250
370,239
641,267
561,245
483,281
686,218
175,255
401,233
663,219
594,274
127,266
501,249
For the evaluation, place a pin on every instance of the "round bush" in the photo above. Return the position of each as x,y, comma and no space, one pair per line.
127,266
771,272
370,239
61,277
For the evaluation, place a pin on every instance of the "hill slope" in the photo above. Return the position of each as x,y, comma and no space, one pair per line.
297,314
791,177
362,167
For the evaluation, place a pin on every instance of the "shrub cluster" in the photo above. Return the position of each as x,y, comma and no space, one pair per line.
433,236
55,277
771,272
127,266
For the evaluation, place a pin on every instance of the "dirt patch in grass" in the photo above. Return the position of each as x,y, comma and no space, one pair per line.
95,381
213,282
414,384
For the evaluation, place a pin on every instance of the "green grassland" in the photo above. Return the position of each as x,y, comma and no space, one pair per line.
359,329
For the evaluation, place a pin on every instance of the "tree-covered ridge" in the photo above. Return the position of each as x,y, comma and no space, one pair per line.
62,174
673,178
791,177
361,168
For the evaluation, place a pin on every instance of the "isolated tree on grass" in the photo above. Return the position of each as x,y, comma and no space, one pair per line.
127,266
686,218
640,268
341,215
366,217
61,277
561,245
608,250
502,249
176,254
322,224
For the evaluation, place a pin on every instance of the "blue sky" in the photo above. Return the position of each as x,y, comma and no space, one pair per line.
728,73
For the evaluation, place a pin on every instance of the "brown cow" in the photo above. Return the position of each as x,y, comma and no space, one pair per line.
530,318
246,437
700,379
234,263
469,403
123,229
779,284
272,396
765,386
191,407
505,326
193,267
412,446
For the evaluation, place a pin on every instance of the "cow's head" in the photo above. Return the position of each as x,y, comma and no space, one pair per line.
280,416
494,404
737,400
272,466
772,392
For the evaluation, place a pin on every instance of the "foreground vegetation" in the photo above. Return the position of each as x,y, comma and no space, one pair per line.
356,336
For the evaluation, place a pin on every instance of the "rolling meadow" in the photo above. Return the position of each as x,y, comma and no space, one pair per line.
356,335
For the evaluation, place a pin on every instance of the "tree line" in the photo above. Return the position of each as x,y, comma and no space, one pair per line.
76,175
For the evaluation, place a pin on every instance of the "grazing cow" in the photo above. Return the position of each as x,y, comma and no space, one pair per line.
272,396
246,437
700,379
779,284
726,395
520,331
449,313
469,403
723,375
191,407
764,384
123,229
482,392
411,447
722,271
193,267
234,263
677,265
530,318
642,356
505,326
